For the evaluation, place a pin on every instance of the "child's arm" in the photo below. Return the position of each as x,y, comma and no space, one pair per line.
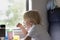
22,28
24,31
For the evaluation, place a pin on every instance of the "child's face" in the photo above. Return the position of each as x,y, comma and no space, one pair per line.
27,23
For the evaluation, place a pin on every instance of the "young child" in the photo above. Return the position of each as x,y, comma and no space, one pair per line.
34,30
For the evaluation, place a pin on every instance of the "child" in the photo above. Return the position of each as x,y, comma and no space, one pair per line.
34,30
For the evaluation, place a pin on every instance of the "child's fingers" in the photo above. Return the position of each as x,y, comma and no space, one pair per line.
18,25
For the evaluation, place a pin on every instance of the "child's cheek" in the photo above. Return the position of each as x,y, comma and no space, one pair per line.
28,26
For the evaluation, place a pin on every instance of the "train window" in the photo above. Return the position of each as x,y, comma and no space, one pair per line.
11,12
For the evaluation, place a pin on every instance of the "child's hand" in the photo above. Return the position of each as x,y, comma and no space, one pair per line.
19,25
22,28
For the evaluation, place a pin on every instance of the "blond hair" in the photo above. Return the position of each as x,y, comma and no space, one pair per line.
32,16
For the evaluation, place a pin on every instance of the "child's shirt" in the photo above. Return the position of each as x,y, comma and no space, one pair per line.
37,32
